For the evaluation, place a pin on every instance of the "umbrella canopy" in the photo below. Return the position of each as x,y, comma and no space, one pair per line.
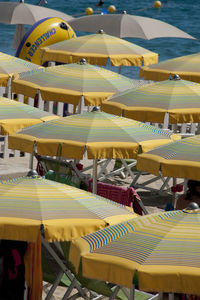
97,48
15,116
160,250
63,211
101,134
124,25
185,66
23,13
68,83
10,65
179,98
180,159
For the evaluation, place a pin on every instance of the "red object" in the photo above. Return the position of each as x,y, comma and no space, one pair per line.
123,195
177,188
79,167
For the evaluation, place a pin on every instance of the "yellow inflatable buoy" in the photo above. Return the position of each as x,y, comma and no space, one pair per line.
111,9
89,11
43,33
157,4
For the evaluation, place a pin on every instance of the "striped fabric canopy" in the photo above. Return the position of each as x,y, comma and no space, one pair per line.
180,159
65,211
67,83
97,48
10,65
188,67
149,103
15,116
161,250
101,134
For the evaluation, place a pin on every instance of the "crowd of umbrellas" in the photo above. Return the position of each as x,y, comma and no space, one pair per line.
158,252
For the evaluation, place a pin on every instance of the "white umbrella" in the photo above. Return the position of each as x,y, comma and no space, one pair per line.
125,25
23,13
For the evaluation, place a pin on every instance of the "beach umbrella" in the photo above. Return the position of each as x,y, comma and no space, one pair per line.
177,99
63,211
160,251
10,65
72,83
97,49
36,209
99,134
24,13
180,159
15,115
185,66
125,25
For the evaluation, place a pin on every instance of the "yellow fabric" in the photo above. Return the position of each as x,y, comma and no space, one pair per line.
19,229
4,79
187,115
33,269
10,126
150,277
25,88
75,149
21,142
148,162
25,99
99,59
180,169
159,75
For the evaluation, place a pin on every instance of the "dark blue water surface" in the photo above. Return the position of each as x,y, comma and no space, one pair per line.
184,14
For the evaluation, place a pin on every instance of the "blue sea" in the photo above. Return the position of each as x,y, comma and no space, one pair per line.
184,14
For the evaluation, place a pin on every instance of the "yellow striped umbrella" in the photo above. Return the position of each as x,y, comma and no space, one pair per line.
161,251
180,99
10,65
68,83
15,116
180,159
188,67
63,211
97,48
31,207
101,134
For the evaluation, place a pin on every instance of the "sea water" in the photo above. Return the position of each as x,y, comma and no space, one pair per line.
184,14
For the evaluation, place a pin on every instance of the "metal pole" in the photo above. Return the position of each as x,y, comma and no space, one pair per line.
94,181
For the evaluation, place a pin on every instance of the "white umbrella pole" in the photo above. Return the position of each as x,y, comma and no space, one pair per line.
81,105
8,88
94,181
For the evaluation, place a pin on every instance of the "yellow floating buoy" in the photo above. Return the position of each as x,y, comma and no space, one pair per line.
157,4
89,11
111,9
43,33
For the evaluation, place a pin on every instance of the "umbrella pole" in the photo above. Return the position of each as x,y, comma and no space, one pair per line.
94,181
32,157
119,69
80,105
8,88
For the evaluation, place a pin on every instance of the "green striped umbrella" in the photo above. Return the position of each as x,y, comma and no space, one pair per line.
68,83
31,207
65,211
161,251
185,66
102,135
149,103
15,116
97,48
180,159
10,65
